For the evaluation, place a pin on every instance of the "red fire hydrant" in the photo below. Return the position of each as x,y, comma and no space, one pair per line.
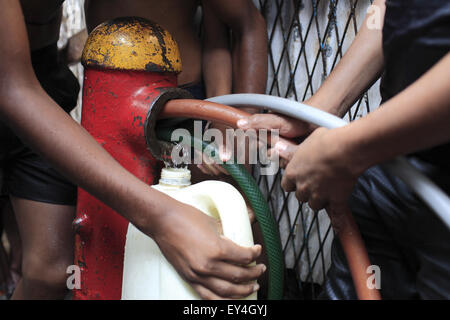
128,62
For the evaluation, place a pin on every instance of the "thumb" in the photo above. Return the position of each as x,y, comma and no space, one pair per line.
261,121
285,149
288,127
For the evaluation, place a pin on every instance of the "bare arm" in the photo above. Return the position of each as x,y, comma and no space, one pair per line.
358,69
249,52
216,60
32,114
72,51
248,60
324,168
417,118
55,135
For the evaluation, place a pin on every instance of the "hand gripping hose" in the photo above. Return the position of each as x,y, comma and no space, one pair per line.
424,188
256,199
341,218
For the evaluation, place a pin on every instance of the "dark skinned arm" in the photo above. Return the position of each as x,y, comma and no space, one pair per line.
249,45
216,57
246,65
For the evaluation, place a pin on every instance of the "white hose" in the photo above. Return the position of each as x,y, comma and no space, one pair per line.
424,188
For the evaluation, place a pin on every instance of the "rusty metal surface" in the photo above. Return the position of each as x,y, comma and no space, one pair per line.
160,149
115,106
132,43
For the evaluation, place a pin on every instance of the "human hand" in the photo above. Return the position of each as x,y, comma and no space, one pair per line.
322,170
75,46
209,166
287,127
216,267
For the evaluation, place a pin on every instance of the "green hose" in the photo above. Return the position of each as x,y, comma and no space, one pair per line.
269,227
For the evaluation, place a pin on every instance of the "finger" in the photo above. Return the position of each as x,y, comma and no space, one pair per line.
274,156
204,170
221,169
207,160
224,289
205,293
236,254
213,169
287,127
285,149
283,163
287,183
251,215
209,166
302,194
233,273
316,203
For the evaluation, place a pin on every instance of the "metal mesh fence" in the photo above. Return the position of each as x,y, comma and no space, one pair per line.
306,40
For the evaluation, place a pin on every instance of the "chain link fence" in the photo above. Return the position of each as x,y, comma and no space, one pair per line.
306,40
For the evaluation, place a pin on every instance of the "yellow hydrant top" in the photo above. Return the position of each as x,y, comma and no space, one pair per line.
131,43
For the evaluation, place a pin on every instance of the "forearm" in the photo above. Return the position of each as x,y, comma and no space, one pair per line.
217,72
250,57
417,118
249,45
245,69
43,125
360,66
216,60
49,131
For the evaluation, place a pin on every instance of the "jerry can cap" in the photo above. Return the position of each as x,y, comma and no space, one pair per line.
175,176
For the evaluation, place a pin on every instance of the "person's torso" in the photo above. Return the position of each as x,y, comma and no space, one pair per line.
416,35
177,16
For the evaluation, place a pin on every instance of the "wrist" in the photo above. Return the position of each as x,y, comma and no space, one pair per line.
153,212
326,103
354,150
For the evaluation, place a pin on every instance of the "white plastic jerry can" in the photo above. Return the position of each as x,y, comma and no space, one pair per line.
147,275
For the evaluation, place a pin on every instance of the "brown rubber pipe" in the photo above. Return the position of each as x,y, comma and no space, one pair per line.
341,218
355,251
205,110
200,109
